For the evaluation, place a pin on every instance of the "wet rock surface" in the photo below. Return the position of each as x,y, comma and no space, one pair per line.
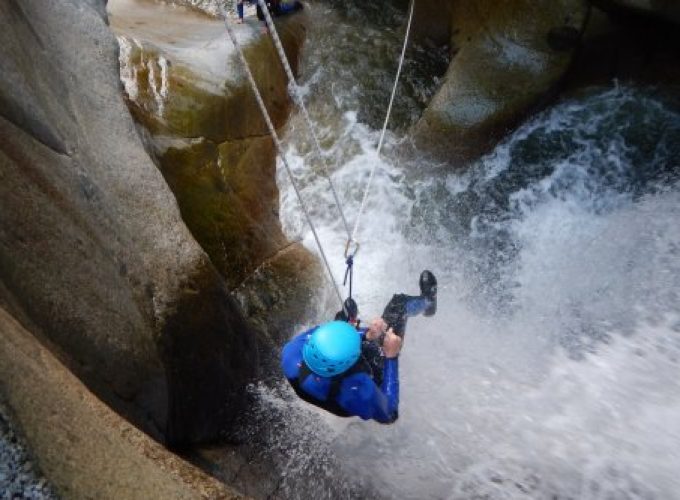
93,251
188,91
283,450
85,448
507,59
511,60
662,9
626,46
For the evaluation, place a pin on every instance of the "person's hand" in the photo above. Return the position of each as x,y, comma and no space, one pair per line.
376,328
391,344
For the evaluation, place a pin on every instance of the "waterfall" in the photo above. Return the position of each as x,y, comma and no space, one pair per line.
552,367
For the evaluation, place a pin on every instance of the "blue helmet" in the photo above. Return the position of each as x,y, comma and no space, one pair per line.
332,348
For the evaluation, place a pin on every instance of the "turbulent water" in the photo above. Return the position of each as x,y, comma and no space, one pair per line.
552,367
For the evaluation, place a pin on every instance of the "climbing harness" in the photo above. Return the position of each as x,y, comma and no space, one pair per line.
277,143
350,251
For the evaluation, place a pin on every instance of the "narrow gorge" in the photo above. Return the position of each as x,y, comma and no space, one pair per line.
154,257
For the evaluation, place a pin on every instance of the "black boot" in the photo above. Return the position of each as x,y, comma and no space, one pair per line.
428,290
349,311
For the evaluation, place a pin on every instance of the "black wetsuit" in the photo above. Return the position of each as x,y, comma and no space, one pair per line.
396,314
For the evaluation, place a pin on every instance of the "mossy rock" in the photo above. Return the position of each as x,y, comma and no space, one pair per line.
226,195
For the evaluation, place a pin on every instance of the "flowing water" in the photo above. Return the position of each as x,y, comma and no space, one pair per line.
552,367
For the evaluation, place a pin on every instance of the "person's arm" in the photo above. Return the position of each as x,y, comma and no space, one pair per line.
360,396
390,388
390,385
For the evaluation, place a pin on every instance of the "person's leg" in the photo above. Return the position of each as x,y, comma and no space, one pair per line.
402,306
428,290
239,9
399,308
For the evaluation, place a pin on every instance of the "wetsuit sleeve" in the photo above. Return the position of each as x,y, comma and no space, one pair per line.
291,355
390,386
360,396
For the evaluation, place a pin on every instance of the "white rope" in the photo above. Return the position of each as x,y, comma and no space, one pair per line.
384,129
279,148
296,94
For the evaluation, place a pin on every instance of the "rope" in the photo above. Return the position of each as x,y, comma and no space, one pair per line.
387,119
279,148
296,94
349,272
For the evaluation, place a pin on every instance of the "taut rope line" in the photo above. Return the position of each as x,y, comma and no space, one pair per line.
387,119
277,143
296,94
295,90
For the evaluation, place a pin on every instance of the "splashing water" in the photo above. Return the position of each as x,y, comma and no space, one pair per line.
552,367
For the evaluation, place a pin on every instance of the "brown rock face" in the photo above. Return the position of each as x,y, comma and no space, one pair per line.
93,251
508,57
213,147
432,21
227,194
87,450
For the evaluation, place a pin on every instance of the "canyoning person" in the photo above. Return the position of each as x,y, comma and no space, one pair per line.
353,371
239,10
288,6
272,6
279,8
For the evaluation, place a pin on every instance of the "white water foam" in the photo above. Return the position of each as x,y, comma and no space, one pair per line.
573,390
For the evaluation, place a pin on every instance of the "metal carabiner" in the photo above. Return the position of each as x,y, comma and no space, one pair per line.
347,248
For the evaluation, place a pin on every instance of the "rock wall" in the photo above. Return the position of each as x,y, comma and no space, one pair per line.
627,46
94,255
188,90
512,58
87,450
432,21
508,56
210,7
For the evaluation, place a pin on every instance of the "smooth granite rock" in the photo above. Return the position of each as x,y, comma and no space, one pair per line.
80,444
508,57
93,251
